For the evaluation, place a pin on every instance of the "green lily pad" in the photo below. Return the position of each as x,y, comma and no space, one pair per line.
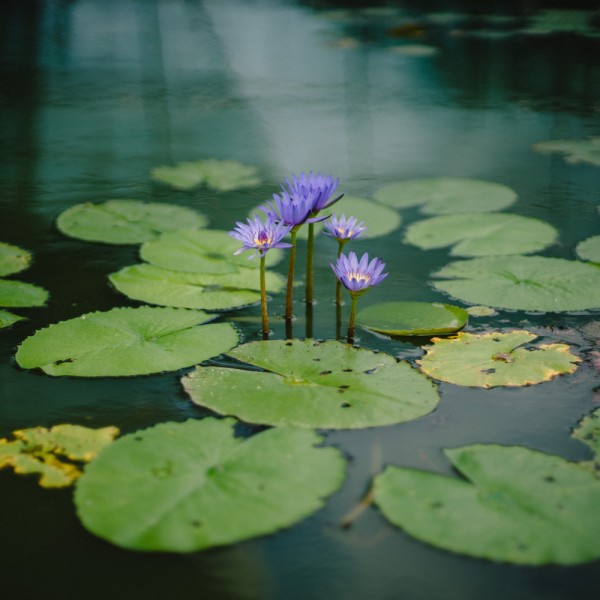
533,283
574,151
481,311
206,251
545,22
181,487
588,432
19,293
517,505
126,341
220,175
13,259
447,195
413,318
165,287
496,359
305,383
379,219
49,452
482,234
8,318
589,249
125,221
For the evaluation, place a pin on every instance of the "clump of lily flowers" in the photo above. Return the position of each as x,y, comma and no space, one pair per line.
301,201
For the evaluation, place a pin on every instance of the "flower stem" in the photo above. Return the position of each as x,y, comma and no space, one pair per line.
352,321
338,284
290,280
263,300
309,263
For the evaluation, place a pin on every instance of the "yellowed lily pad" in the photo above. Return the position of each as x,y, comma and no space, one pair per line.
496,359
54,454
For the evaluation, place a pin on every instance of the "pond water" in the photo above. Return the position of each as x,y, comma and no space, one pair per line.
98,93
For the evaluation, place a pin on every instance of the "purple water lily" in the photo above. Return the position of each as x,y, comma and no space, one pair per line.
291,210
359,276
260,236
344,229
316,185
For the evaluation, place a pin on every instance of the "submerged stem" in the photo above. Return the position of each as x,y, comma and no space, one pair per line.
309,263
290,280
263,300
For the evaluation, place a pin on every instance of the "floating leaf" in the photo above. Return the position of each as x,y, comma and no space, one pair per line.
180,487
47,451
589,249
564,21
380,220
482,234
192,290
481,311
574,151
8,318
206,251
533,283
494,359
447,195
413,318
588,432
13,259
221,175
519,506
126,341
328,385
125,221
19,293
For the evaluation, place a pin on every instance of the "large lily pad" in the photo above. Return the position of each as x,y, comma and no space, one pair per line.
413,318
125,221
126,341
193,290
379,219
496,359
180,487
518,506
589,249
447,195
482,234
13,259
7,319
306,383
533,283
54,453
206,251
221,175
21,294
574,151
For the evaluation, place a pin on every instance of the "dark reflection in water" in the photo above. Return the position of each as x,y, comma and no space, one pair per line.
95,94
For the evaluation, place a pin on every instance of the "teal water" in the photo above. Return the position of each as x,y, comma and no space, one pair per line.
95,94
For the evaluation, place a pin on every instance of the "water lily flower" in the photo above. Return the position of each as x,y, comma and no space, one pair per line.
291,210
358,277
319,186
344,229
256,235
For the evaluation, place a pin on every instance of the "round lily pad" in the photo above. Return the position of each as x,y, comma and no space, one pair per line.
13,259
8,318
447,195
482,234
21,294
305,383
181,487
206,251
413,318
379,219
574,151
589,249
126,341
220,175
125,221
533,283
496,359
516,505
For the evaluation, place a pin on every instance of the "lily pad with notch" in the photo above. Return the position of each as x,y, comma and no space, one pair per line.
515,505
534,283
21,294
7,319
413,318
126,341
447,195
589,249
182,487
482,234
13,259
125,221
306,383
496,359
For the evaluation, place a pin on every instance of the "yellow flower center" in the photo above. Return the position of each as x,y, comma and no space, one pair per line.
262,239
359,277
